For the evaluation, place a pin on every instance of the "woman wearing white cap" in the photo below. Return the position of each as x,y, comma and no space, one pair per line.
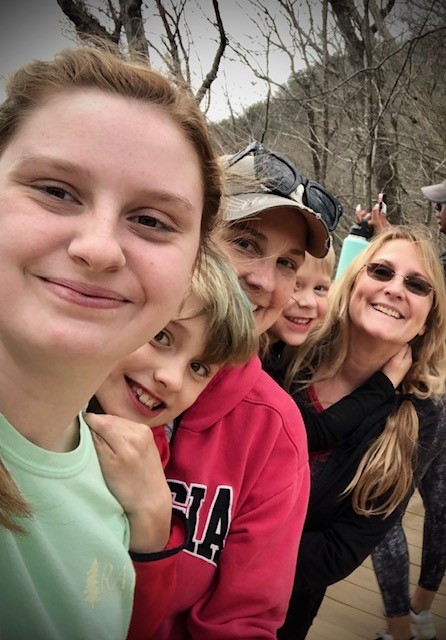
239,460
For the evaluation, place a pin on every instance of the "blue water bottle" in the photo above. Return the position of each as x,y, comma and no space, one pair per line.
353,244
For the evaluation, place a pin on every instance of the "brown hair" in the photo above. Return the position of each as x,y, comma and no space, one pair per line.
386,467
103,67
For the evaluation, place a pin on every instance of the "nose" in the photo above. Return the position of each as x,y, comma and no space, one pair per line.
305,298
96,243
395,286
170,375
261,275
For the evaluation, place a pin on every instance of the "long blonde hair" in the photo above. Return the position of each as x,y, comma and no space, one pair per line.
386,469
103,67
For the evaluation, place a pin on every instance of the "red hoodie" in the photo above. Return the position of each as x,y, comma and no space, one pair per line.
156,572
239,471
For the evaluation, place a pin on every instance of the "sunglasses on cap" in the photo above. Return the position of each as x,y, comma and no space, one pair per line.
280,177
384,273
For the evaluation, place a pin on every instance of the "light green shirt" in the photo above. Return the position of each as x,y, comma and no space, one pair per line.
70,577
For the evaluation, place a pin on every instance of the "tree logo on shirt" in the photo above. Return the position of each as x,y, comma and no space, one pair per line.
105,577
212,520
92,591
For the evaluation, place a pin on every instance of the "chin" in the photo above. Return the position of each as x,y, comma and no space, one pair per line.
266,322
296,341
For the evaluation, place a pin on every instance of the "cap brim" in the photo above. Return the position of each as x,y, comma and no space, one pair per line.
435,192
245,205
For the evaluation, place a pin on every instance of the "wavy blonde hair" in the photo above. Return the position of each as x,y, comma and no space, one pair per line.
386,469
103,67
327,263
231,335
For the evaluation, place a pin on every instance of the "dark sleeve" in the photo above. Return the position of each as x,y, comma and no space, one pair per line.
156,581
327,556
327,428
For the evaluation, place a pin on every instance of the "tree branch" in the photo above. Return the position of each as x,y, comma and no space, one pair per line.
132,21
223,41
85,23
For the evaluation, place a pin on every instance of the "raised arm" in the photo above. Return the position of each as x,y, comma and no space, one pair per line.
327,428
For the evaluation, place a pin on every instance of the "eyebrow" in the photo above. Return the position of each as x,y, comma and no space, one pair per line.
55,163
261,236
179,326
167,197
68,167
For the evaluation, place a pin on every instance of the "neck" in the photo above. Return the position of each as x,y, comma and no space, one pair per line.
362,361
42,402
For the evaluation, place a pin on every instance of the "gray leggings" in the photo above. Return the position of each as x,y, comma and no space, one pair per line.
391,557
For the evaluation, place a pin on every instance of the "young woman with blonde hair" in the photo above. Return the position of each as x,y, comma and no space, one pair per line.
391,299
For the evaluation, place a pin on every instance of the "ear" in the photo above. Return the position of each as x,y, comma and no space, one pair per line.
422,331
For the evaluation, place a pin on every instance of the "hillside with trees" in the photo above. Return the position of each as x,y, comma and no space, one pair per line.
364,107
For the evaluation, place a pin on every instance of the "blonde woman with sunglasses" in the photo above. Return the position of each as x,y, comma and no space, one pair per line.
392,295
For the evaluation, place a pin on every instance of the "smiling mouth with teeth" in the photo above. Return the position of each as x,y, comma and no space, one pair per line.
388,312
300,321
144,398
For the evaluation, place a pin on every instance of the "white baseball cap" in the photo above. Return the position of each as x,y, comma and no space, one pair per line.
245,197
435,192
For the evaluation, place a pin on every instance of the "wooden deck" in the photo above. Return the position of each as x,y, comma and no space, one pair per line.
353,610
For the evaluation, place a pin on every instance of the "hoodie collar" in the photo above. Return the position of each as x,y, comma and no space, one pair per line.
224,392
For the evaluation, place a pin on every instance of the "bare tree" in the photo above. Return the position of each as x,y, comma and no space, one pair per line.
364,106
124,23
358,83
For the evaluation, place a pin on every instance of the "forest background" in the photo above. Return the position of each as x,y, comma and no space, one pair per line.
362,109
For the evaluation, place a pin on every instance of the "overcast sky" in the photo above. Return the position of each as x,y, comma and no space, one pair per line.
38,28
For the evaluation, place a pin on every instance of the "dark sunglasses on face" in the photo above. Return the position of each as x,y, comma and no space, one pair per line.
384,273
280,177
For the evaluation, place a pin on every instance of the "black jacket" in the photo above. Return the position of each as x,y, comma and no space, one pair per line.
336,540
341,419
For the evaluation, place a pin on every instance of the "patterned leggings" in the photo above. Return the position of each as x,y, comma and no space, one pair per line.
391,557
